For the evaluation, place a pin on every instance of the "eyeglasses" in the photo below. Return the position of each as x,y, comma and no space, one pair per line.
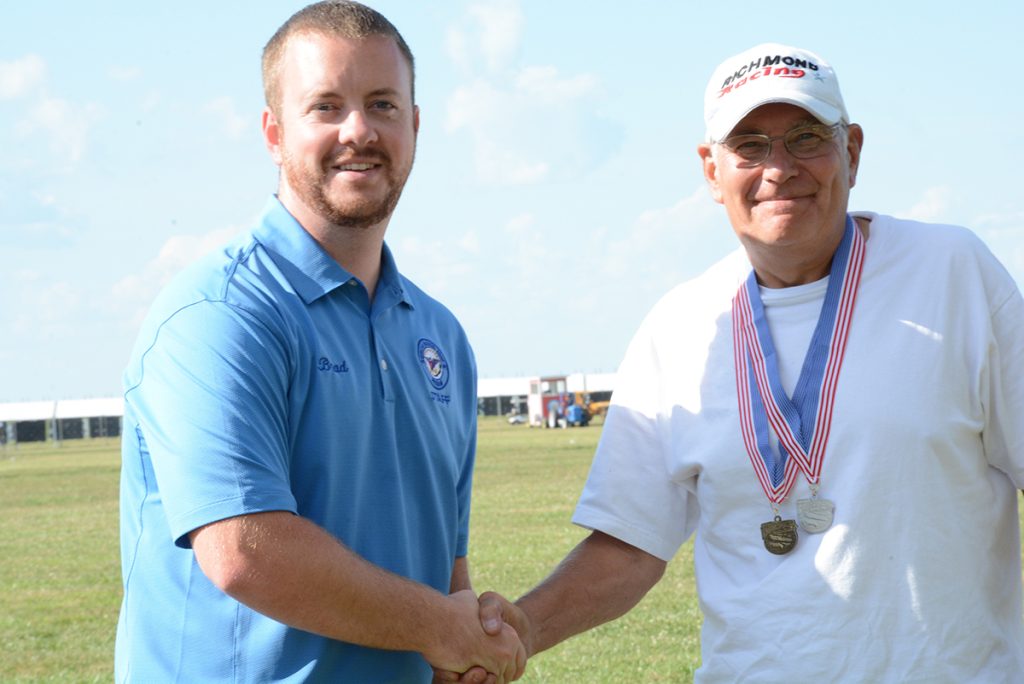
805,142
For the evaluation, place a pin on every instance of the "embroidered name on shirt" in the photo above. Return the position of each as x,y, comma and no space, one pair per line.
325,365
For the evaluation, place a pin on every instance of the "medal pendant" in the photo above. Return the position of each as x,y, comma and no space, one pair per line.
779,535
815,515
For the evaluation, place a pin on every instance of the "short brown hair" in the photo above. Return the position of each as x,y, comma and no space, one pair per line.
331,17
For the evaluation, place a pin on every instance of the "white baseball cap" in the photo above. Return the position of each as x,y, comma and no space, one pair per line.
771,73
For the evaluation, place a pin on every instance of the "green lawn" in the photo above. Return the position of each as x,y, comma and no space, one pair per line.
527,484
60,574
60,584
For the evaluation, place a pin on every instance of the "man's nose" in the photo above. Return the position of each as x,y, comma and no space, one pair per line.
356,129
780,164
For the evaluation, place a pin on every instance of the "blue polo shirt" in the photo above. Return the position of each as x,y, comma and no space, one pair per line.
264,379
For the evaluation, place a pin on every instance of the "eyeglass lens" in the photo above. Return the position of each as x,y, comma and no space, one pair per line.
805,142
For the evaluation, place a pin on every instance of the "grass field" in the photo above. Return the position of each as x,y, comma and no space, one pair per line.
60,575
527,484
60,583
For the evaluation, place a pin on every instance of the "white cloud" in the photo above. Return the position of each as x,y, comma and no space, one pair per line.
457,45
64,124
33,217
571,295
519,277
233,123
20,77
437,266
527,130
46,121
45,199
485,271
151,101
26,275
526,124
668,245
37,232
50,311
500,163
1007,225
500,27
124,73
472,103
932,206
470,242
528,254
545,84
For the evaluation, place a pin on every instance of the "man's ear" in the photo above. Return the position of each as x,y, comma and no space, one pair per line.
707,159
854,144
271,134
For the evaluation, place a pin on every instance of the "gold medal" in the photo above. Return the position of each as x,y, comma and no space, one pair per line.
779,535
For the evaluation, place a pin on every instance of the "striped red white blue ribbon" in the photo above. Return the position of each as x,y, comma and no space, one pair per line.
803,423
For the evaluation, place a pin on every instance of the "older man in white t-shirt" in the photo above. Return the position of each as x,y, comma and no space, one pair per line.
835,411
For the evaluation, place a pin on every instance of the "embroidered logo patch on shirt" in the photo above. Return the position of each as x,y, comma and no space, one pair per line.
434,363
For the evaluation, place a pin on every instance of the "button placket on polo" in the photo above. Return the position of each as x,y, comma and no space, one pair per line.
383,367
385,363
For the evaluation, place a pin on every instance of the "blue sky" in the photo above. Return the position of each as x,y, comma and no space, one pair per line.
556,193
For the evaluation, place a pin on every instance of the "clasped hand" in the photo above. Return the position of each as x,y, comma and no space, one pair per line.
494,632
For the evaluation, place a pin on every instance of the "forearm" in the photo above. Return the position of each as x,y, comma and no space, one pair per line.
291,570
288,568
600,580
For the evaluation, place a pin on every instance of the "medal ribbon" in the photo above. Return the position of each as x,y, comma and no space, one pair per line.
802,424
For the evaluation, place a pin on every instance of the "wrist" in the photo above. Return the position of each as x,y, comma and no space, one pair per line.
423,629
524,627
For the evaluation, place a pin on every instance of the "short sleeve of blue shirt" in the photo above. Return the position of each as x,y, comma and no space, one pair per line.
213,398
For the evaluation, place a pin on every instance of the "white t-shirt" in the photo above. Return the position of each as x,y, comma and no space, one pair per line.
919,577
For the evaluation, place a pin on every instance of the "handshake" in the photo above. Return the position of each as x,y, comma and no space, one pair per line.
487,643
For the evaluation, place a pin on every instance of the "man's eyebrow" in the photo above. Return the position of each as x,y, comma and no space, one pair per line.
809,121
320,94
386,91
331,93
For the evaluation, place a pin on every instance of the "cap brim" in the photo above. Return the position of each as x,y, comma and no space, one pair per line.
725,122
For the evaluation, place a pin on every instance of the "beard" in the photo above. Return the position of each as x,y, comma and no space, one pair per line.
354,210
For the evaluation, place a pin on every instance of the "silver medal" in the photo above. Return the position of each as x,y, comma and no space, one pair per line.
815,515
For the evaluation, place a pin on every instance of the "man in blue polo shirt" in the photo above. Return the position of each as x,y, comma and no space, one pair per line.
300,419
